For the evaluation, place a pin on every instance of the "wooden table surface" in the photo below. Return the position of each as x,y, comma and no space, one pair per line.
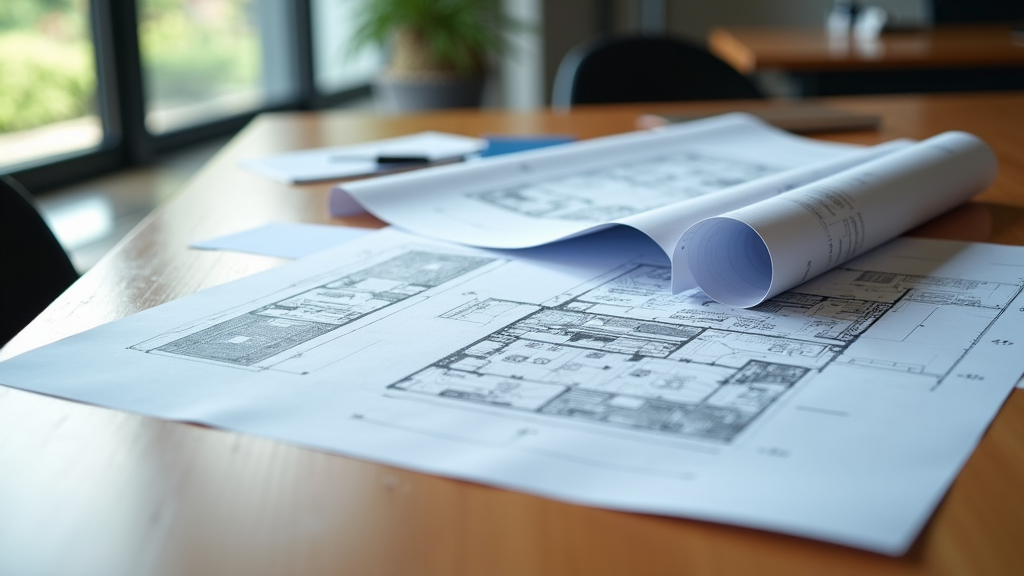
86,490
810,49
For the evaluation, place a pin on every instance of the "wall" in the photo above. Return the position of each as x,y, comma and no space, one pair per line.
522,66
694,19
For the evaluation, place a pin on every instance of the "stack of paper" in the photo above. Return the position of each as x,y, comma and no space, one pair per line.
778,209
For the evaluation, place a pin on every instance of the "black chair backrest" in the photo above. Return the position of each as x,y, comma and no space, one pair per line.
961,11
35,267
645,69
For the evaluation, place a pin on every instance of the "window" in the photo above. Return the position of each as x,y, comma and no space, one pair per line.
209,59
89,86
47,80
337,67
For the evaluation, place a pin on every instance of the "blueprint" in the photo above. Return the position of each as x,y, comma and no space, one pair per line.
541,196
624,354
749,254
742,210
840,410
624,189
257,337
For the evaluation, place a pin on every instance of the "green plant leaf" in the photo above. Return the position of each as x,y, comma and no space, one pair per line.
458,33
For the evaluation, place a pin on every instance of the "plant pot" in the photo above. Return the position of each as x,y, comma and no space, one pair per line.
429,92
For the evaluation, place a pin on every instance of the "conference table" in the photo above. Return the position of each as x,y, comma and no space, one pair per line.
946,57
86,490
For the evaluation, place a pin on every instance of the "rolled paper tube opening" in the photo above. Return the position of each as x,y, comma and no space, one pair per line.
729,261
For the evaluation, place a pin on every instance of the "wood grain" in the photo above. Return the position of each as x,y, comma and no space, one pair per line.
749,49
86,490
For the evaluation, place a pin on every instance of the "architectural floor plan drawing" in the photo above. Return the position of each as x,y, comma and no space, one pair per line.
285,327
625,189
626,353
840,411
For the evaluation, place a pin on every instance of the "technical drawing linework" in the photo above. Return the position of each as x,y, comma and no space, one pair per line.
742,210
281,327
541,196
839,411
624,189
623,354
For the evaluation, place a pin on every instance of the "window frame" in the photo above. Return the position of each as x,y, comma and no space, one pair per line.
120,97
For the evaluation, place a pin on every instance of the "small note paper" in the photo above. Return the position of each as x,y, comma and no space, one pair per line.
337,162
284,239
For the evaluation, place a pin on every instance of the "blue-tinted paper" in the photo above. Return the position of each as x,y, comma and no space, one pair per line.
497,145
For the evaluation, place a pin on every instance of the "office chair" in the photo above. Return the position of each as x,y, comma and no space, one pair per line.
35,267
645,69
960,12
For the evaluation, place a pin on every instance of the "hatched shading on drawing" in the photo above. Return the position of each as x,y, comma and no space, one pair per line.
275,328
627,353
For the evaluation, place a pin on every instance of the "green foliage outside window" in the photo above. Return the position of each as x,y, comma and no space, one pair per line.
192,55
47,70
46,83
191,51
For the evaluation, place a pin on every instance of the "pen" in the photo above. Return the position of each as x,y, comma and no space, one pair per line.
395,159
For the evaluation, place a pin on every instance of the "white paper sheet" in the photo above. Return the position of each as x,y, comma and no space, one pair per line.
658,182
284,239
360,159
840,411
537,197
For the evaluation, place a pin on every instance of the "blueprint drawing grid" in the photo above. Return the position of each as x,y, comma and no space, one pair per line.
624,353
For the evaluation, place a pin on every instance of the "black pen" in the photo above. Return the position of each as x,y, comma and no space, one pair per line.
397,159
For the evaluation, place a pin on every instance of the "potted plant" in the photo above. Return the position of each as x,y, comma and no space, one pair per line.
439,49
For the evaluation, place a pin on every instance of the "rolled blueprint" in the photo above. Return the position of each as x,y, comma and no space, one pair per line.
665,225
742,258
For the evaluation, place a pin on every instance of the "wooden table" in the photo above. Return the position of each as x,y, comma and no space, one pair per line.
947,57
86,490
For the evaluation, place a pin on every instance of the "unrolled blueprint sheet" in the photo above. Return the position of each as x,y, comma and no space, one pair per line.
537,197
839,411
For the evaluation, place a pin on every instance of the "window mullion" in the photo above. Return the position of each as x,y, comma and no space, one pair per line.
136,143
